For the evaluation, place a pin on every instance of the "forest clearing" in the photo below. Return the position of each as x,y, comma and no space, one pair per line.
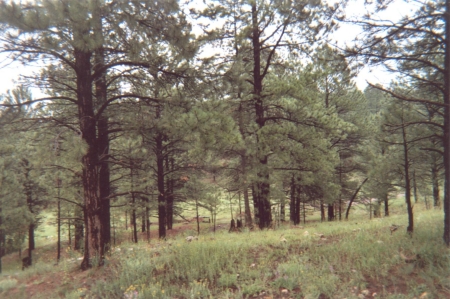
359,258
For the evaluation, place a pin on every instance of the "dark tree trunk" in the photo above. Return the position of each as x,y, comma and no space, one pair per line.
415,187
133,216
292,204
197,216
353,199
386,204
134,238
161,190
446,137
297,202
104,172
30,244
169,193
410,228
147,218
262,187
102,132
29,195
331,212
304,212
255,206
94,243
58,249
435,183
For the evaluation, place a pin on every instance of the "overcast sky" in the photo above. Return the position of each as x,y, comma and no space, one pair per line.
346,33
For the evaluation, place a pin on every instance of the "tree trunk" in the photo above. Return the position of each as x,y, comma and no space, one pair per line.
169,193
292,204
197,216
435,183
446,137
297,202
282,209
415,187
247,210
262,185
322,211
386,204
304,212
94,243
161,190
410,228
58,246
134,238
331,212
147,218
102,132
29,195
255,205
133,216
353,199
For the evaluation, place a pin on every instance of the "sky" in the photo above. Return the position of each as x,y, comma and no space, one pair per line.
344,35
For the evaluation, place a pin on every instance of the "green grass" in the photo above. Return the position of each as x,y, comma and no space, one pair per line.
353,257
241,265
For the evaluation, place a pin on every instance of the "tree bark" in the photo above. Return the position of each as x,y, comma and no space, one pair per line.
262,185
410,228
247,210
415,187
435,183
297,202
94,245
161,190
331,212
102,130
446,137
353,199
386,204
255,206
283,210
133,216
292,204
169,193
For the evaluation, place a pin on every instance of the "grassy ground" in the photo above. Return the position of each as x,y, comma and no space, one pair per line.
354,259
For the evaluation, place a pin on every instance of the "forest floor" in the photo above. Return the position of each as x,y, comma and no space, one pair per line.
44,282
316,260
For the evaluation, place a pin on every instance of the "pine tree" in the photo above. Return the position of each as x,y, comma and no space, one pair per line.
70,33
259,32
420,49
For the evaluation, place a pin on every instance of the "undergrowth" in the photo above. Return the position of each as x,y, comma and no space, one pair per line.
349,259
329,260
